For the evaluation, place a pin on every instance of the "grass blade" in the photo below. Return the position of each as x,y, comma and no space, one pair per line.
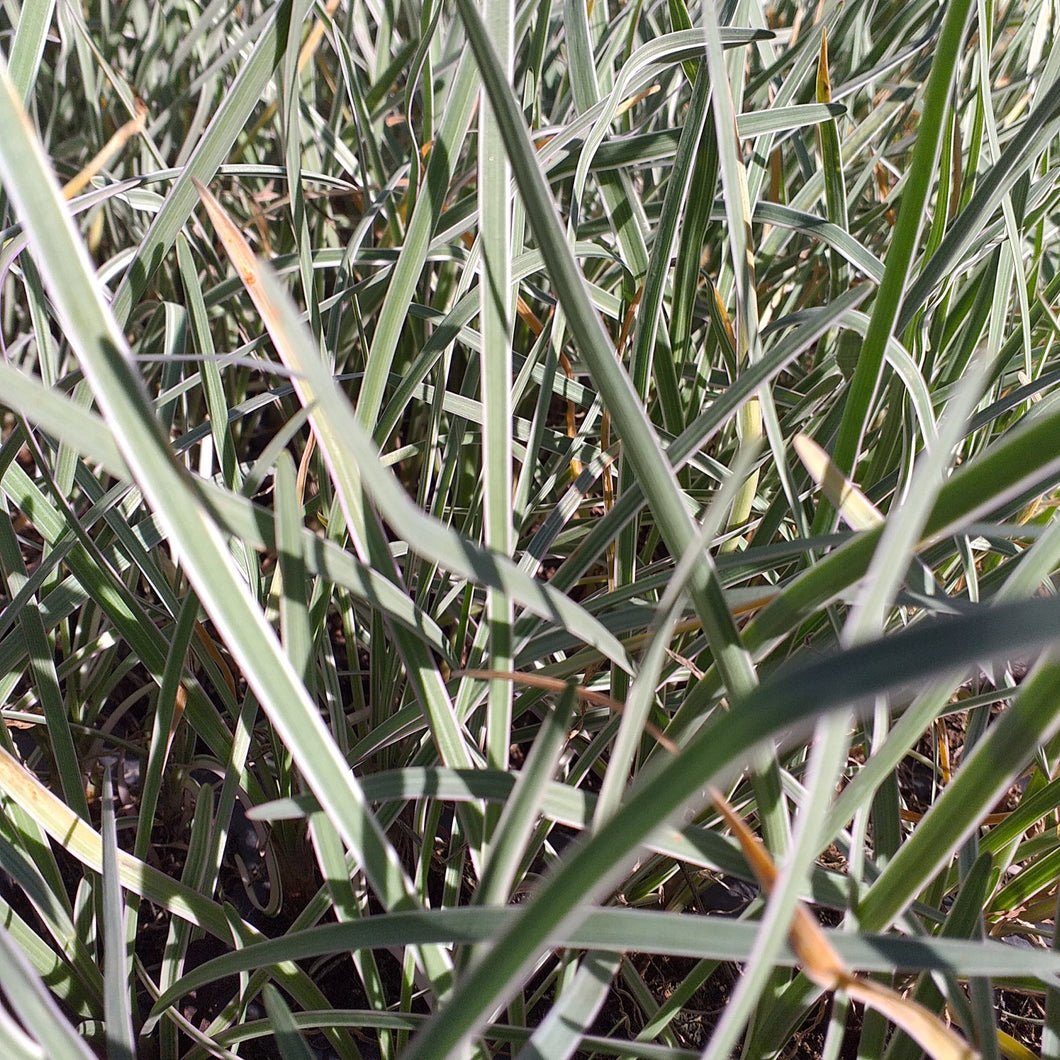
117,970
106,362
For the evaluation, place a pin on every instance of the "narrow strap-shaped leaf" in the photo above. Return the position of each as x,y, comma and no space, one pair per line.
105,359
889,297
790,697
117,970
228,122
640,442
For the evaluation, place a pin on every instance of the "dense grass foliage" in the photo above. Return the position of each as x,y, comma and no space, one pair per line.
528,530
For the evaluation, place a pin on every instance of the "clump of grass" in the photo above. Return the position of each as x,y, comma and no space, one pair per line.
442,444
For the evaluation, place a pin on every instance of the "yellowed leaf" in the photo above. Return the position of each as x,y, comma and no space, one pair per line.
855,508
824,81
131,128
819,959
925,1028
823,965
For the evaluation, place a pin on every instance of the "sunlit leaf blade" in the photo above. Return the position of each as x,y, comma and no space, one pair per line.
855,508
229,119
539,276
36,1008
246,521
106,362
907,229
121,1042
24,58
606,929
641,443
357,467
791,697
